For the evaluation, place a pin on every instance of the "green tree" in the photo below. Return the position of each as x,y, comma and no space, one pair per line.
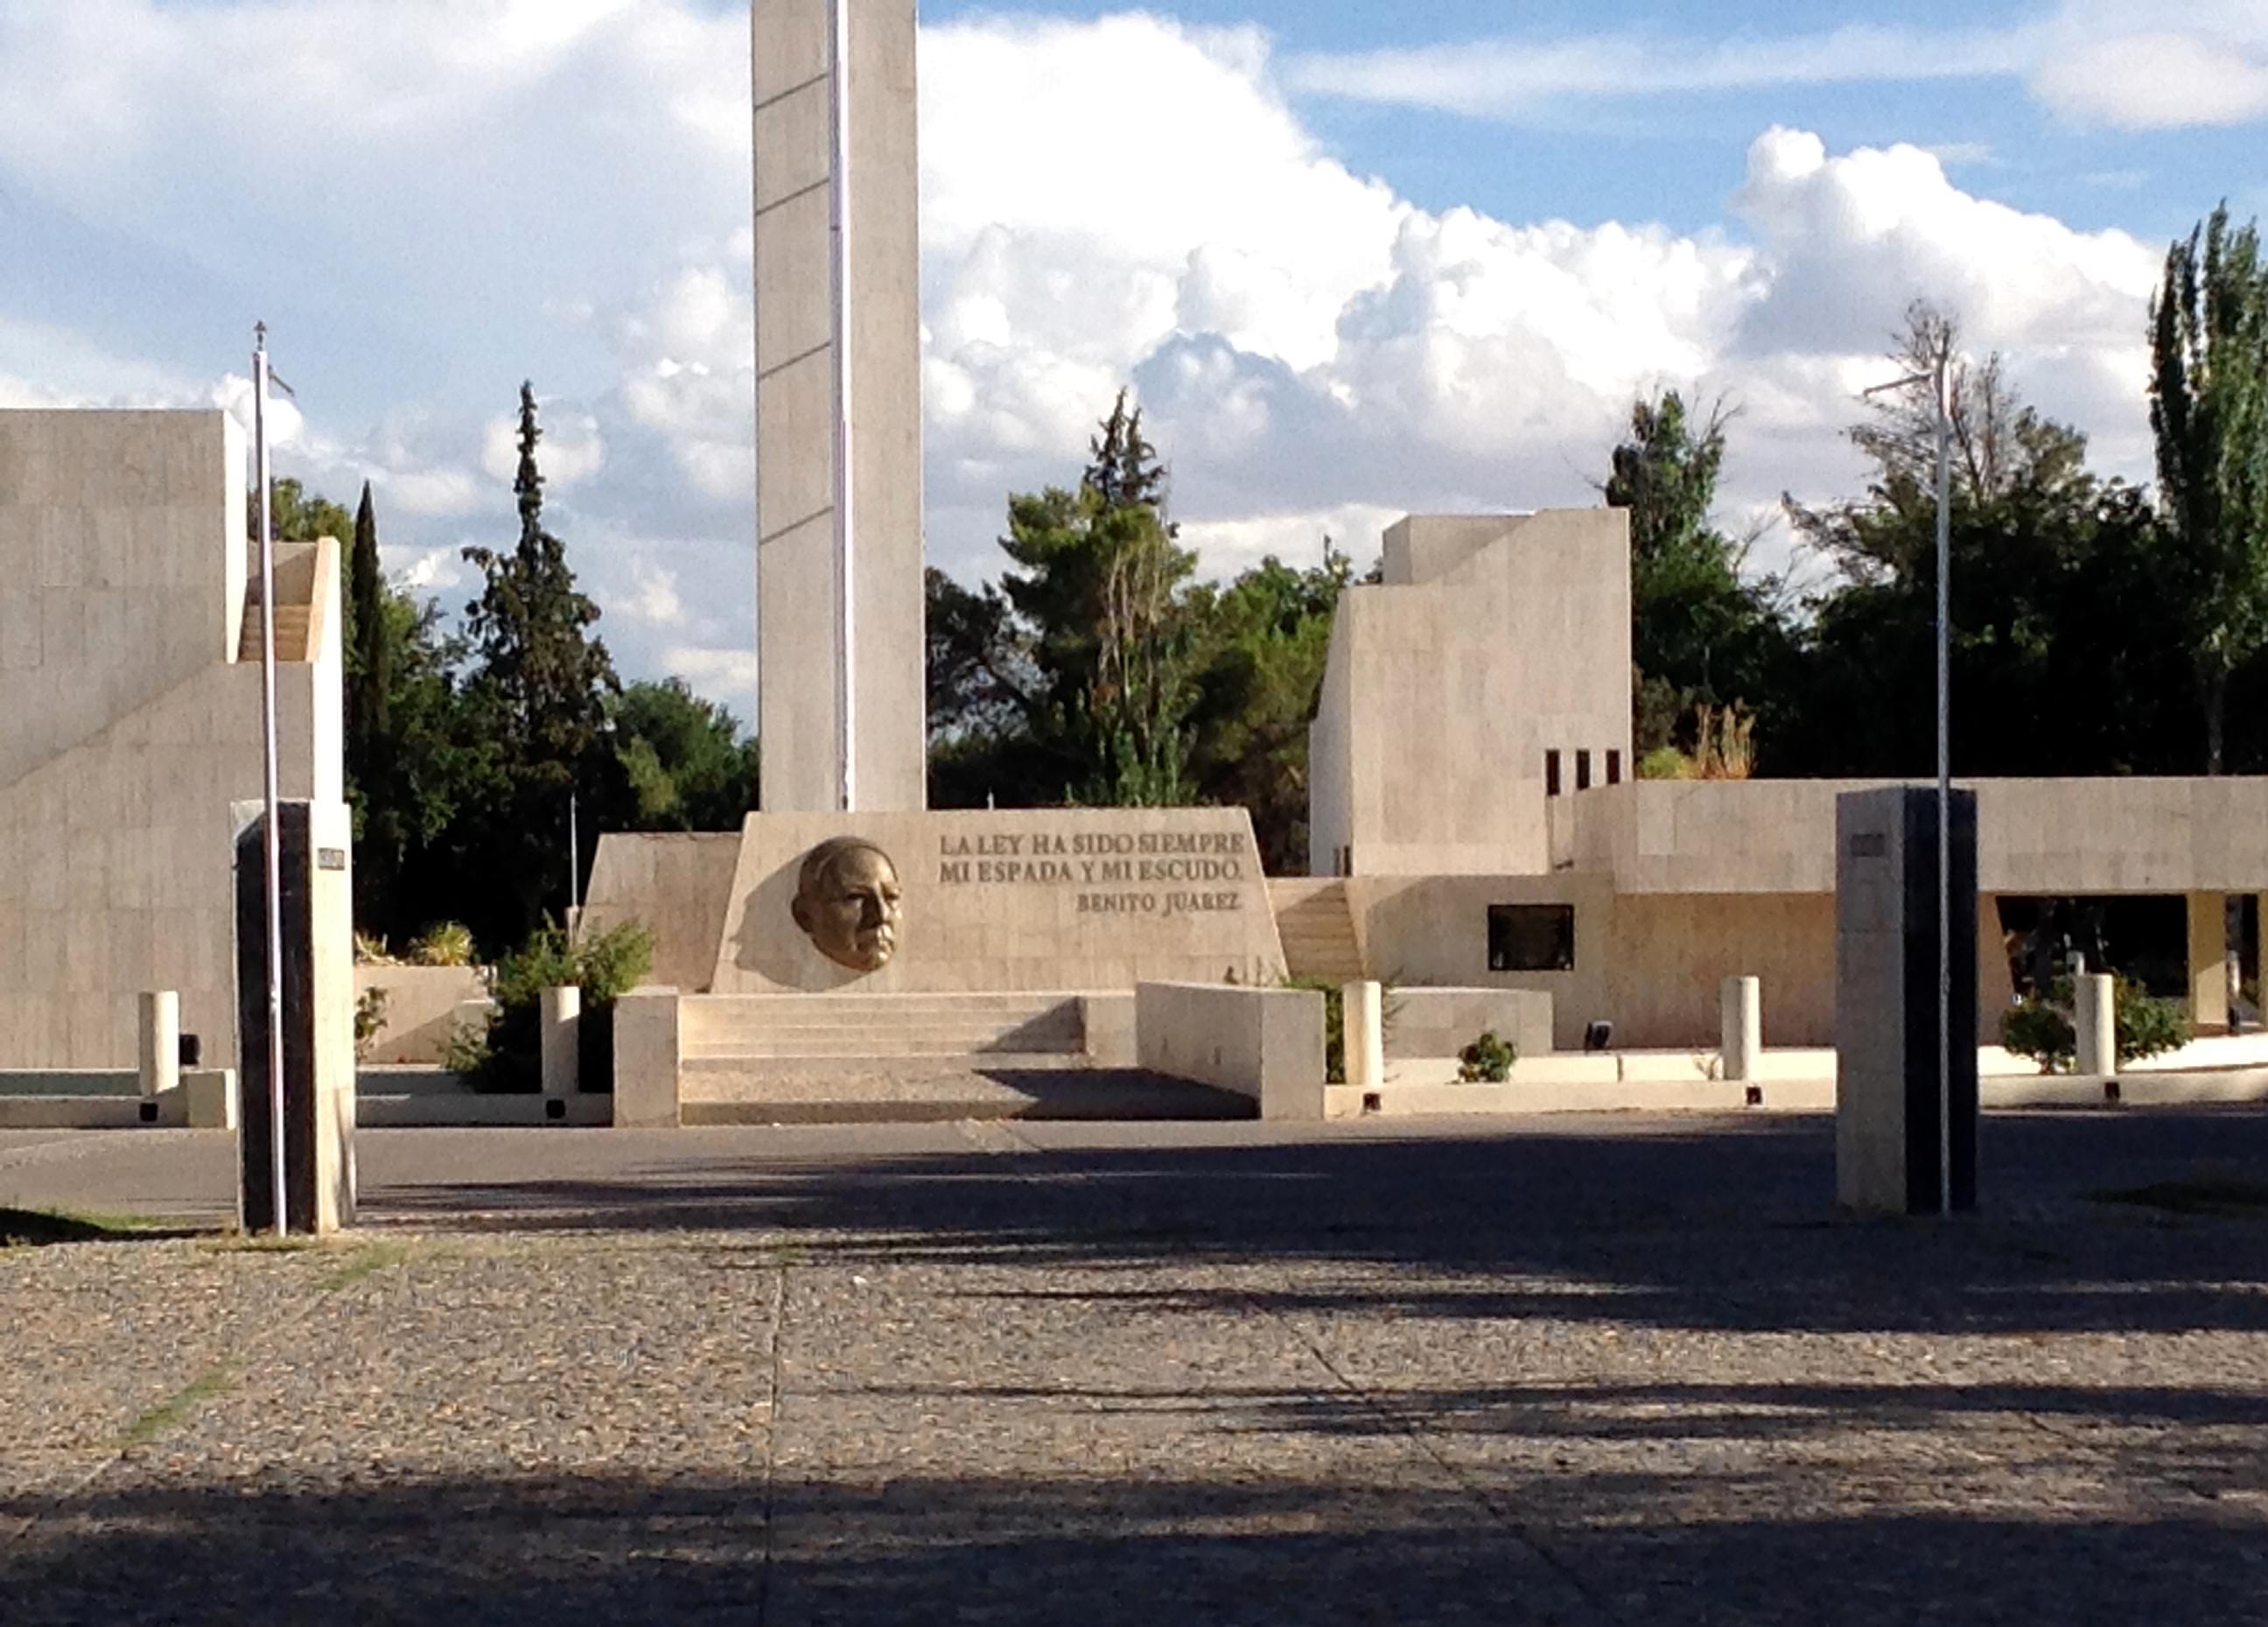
1264,643
2064,654
2209,410
1101,581
688,763
541,687
1702,633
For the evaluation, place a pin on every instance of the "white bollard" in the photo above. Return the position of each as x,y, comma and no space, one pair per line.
562,1041
1740,1019
160,1061
2095,1015
1362,1034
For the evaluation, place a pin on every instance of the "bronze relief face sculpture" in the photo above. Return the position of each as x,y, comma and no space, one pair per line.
848,903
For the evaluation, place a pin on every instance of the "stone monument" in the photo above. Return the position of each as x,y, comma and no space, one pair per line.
1894,1153
841,711
845,882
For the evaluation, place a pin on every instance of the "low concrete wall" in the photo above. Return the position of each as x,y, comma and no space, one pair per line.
421,1005
1441,1022
1263,1043
1108,1023
111,1099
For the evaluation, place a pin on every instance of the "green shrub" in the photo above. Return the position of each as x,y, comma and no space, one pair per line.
507,1057
2043,1029
1334,1025
1665,762
448,942
1487,1061
370,1017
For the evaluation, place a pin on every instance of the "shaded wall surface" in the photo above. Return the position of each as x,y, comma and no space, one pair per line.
131,725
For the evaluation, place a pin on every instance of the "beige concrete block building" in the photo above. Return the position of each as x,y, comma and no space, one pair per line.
1472,799
129,668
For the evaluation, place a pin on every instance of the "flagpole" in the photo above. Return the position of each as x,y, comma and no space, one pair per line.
273,854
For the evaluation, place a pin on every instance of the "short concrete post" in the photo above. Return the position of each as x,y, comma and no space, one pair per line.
2095,1017
648,1055
562,1041
1740,1020
1362,1034
160,1041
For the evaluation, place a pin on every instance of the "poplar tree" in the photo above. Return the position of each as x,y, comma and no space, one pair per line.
2209,413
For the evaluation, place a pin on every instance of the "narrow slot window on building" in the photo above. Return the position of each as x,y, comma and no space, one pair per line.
1582,771
1614,767
1550,773
1531,938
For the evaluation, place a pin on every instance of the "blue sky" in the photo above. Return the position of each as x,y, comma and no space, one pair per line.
1387,257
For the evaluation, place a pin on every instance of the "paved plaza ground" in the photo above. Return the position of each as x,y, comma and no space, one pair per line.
1584,1370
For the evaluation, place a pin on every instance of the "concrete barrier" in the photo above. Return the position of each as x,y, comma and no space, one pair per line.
1263,1043
649,1060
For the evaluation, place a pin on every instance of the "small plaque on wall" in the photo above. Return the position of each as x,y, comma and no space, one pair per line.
330,859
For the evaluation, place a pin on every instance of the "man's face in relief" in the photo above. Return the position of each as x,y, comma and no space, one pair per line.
848,901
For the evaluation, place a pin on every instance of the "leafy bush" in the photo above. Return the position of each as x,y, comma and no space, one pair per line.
1334,1025
370,951
507,1057
2044,1030
370,1018
1487,1061
1665,762
448,943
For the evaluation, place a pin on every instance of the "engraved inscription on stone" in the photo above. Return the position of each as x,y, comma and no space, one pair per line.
1121,873
848,903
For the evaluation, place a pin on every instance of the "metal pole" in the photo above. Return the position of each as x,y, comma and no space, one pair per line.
274,844
1944,790
846,697
574,863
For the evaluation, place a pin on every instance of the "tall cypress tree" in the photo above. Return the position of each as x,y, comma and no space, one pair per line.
369,730
2209,410
541,684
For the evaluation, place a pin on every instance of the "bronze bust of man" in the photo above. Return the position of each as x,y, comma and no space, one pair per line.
848,903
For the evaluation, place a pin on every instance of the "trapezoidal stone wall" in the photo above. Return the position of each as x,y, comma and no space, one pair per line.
1043,899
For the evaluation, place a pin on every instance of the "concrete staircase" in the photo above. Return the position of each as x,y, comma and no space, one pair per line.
1316,925
994,1030
808,1059
292,629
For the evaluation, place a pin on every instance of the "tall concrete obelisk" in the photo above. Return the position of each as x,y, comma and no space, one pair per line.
840,651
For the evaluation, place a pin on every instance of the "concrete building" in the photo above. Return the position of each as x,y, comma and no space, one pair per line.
1474,805
129,657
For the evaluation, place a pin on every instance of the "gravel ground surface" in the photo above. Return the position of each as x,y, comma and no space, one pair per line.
1584,1370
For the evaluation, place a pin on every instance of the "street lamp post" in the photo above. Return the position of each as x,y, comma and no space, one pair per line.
1937,378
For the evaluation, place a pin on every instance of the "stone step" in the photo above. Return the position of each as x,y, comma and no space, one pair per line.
989,1092
867,1047
292,628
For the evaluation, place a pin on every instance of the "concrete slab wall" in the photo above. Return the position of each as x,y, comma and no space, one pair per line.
2051,837
1263,1043
422,1009
1492,641
677,888
115,831
1441,1022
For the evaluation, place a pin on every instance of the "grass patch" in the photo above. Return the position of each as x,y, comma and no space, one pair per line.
366,1261
2201,1194
168,1414
33,1228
